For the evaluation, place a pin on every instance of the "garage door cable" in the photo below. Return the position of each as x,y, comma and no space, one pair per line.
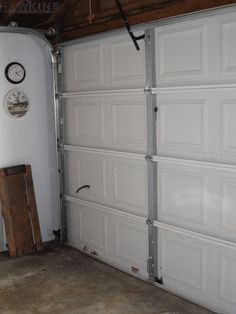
124,17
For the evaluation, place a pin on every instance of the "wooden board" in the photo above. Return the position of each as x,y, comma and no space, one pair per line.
19,210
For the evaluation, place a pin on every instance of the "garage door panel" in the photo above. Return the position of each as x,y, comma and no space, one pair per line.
129,123
84,122
198,268
85,169
72,225
198,197
129,185
127,68
104,64
227,275
183,125
184,264
182,195
120,182
197,52
117,238
182,52
229,48
229,128
228,213
113,122
84,67
131,244
196,160
93,228
197,125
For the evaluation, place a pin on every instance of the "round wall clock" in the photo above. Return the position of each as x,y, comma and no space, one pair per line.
16,103
15,72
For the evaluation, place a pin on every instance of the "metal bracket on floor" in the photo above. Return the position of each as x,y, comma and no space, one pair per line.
159,280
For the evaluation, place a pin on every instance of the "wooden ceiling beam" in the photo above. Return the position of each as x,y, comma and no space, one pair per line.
59,15
71,29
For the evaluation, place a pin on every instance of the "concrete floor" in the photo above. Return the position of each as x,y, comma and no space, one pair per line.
64,281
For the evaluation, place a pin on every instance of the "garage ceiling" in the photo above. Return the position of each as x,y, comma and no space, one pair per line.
71,17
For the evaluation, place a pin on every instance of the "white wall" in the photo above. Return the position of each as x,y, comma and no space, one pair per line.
31,139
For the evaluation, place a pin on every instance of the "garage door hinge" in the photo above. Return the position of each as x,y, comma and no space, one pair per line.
149,221
147,39
149,158
58,96
148,90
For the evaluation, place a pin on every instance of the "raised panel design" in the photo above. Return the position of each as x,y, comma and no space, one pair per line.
83,66
182,52
85,169
198,197
182,196
228,213
131,243
129,124
184,263
229,48
198,268
92,172
127,66
229,126
183,124
114,237
228,277
130,186
72,225
197,124
84,122
88,66
103,64
113,122
93,228
120,182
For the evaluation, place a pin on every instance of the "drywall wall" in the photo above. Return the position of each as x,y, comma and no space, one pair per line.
31,139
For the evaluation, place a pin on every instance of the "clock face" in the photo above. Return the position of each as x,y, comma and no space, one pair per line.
16,103
15,72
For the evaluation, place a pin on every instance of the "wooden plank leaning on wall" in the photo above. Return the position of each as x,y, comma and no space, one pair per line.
19,210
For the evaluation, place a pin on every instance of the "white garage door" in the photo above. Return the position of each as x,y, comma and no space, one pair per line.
196,159
185,128
105,146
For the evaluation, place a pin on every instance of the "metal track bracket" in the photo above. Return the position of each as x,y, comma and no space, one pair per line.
59,131
149,221
148,90
149,158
